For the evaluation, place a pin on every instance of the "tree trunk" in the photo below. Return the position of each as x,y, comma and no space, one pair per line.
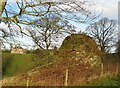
102,65
2,6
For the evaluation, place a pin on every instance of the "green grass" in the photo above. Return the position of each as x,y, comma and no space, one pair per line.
115,81
14,64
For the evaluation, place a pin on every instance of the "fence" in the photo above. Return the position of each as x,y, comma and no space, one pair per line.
73,75
60,75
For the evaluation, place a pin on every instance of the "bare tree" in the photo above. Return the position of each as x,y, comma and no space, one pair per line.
48,31
28,13
71,10
104,32
7,34
2,6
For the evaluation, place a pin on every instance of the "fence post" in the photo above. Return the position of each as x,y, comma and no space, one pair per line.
66,77
102,69
27,84
28,80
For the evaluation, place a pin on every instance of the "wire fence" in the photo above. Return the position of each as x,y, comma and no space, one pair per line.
61,75
74,75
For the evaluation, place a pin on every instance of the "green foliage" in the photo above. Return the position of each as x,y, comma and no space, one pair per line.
6,51
115,81
37,51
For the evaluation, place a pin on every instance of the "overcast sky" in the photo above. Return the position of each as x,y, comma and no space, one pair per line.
109,8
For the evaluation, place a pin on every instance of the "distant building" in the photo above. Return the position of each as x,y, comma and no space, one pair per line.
18,49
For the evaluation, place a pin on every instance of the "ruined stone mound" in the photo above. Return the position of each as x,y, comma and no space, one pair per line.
81,47
80,42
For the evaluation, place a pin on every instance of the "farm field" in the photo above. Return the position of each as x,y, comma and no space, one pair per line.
14,64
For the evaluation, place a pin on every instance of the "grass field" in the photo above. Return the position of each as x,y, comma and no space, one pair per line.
114,81
14,64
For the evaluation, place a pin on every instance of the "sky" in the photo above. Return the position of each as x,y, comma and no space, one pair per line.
109,8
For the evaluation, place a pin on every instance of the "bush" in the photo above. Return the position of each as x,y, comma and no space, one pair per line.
6,51
42,57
